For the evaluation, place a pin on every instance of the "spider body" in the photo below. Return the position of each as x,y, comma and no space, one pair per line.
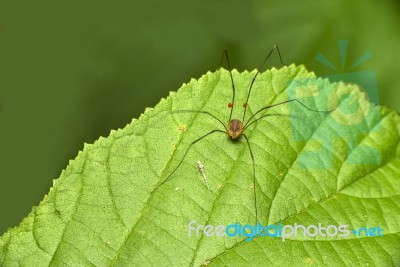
235,128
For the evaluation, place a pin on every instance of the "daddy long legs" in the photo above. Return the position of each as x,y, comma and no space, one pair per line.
235,128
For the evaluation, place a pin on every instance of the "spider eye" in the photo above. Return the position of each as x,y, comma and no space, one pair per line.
230,105
244,104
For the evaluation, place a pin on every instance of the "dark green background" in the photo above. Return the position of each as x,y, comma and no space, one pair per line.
72,71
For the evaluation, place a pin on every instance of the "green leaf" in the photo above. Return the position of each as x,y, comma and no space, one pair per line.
124,202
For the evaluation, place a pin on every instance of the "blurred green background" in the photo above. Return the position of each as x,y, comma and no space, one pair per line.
72,71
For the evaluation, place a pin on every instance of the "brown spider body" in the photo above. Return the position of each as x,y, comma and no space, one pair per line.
235,128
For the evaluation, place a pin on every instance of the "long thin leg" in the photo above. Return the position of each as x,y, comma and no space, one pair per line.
254,176
270,115
200,111
179,164
284,102
225,53
258,71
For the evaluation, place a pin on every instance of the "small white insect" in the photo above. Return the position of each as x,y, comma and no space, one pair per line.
203,173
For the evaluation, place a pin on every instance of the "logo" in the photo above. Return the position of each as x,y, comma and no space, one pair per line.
351,115
278,230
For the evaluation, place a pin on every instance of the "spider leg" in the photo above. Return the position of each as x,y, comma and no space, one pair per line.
258,71
200,111
270,115
284,102
254,175
225,53
184,156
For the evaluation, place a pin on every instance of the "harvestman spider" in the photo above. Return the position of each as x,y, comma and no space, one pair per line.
236,127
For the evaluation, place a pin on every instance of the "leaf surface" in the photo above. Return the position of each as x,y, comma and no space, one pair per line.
124,202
